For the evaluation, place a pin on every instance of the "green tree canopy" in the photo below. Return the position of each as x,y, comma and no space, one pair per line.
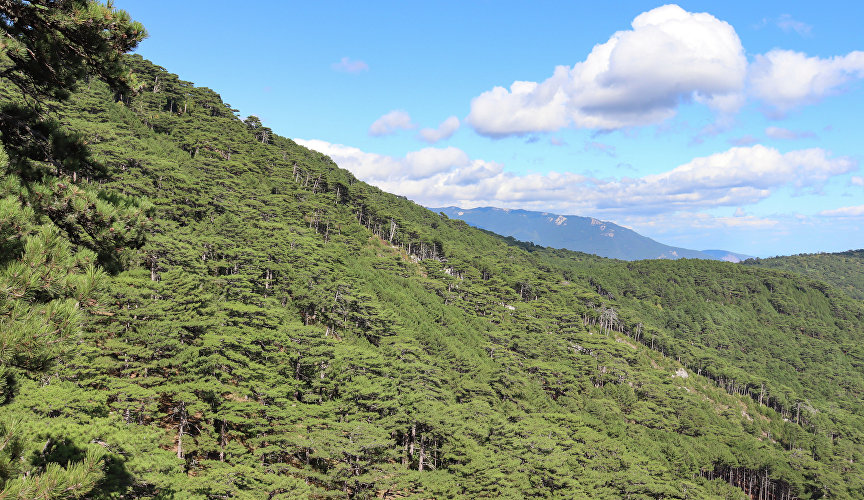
55,227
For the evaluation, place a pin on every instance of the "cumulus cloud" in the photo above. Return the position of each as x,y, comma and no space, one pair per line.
856,211
754,166
637,77
391,123
423,164
444,131
785,133
346,65
642,75
785,79
430,161
736,177
366,166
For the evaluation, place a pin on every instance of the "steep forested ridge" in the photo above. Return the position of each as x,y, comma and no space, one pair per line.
289,331
844,270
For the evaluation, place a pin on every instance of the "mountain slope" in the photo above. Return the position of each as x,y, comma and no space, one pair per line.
727,255
289,331
582,234
844,270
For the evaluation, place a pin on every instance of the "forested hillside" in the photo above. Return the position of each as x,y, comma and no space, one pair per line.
844,270
282,330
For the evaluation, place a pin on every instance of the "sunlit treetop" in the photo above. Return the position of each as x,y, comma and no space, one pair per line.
47,46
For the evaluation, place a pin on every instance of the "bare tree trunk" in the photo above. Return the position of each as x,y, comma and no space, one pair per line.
180,428
422,453
413,439
222,441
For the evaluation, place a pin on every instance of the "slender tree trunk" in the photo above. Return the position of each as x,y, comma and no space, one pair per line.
222,440
422,453
413,439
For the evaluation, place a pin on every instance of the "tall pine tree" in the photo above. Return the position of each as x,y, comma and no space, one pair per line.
57,230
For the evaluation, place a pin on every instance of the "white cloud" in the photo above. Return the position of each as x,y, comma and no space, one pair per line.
736,177
786,79
856,211
755,167
785,133
637,77
748,221
429,161
694,220
444,131
391,123
857,181
346,65
526,107
642,75
377,169
366,166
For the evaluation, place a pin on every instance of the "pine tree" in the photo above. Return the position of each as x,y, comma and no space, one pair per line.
57,231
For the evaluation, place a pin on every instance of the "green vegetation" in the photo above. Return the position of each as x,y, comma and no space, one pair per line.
287,331
844,270
59,231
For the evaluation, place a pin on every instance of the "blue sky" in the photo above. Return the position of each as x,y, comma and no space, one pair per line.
699,124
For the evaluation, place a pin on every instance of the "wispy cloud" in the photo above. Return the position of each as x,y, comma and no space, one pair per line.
785,133
856,211
786,23
749,221
747,140
391,123
689,221
347,65
600,147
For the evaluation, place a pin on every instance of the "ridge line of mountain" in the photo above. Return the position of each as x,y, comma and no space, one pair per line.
578,233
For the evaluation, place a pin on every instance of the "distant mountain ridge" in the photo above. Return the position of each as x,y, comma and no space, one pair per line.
727,255
573,232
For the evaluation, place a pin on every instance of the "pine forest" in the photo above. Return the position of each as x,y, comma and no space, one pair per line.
192,306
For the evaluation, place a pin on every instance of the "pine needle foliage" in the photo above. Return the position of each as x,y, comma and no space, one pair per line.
278,329
59,232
